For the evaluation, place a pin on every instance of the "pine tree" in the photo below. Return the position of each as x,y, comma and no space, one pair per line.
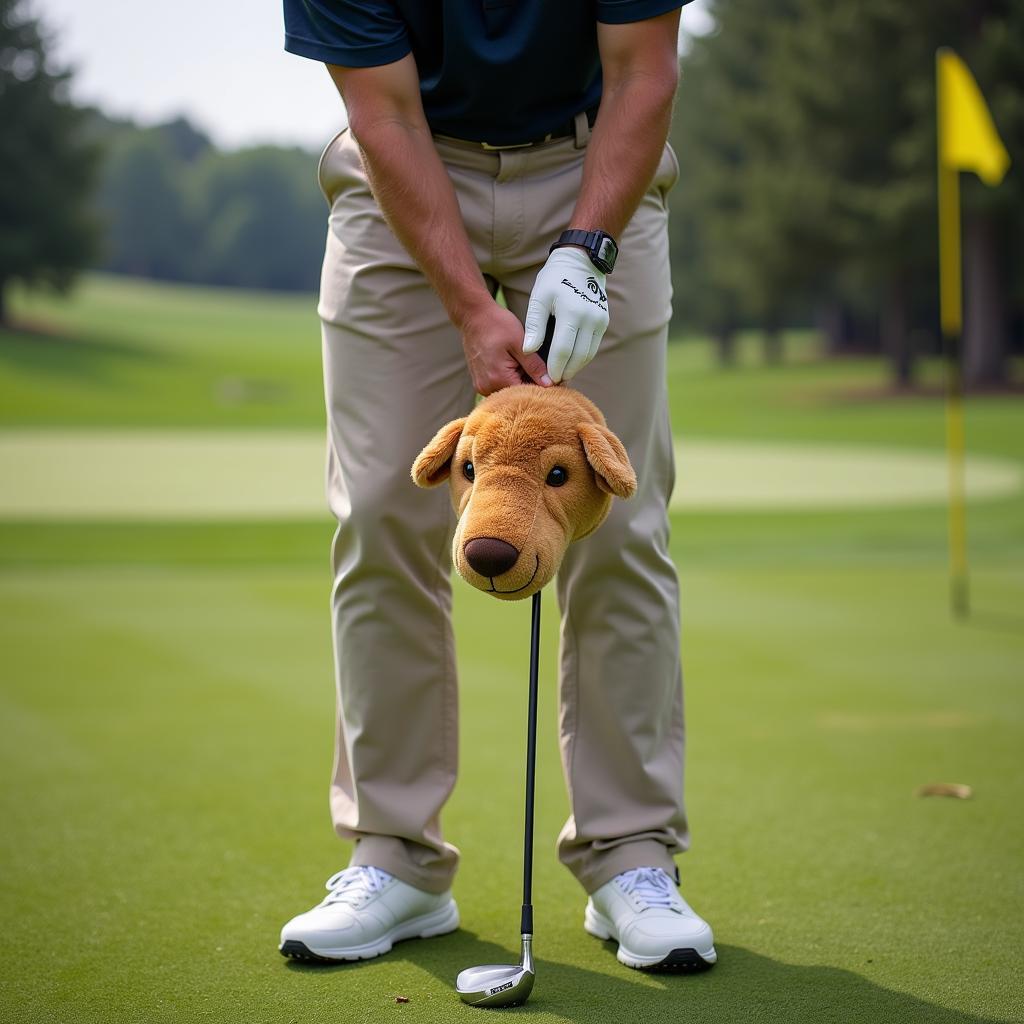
47,168
807,142
993,45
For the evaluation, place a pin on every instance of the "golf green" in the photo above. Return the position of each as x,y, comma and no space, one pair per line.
167,716
108,475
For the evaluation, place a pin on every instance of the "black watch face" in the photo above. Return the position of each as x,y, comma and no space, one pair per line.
606,253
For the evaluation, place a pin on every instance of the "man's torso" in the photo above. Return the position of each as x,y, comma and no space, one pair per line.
497,71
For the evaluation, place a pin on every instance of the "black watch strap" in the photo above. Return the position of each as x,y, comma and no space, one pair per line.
600,247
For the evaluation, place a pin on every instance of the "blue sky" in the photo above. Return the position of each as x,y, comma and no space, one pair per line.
201,58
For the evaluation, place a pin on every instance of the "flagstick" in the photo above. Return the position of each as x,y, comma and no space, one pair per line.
958,569
967,141
951,309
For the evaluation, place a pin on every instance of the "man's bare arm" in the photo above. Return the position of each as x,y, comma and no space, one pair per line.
415,194
640,66
641,71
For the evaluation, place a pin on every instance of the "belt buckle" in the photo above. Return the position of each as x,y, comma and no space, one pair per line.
514,145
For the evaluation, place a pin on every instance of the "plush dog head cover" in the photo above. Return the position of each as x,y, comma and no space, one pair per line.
531,470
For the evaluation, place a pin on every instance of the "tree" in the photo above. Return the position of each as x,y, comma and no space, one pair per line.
807,140
176,208
262,217
734,265
186,141
994,218
47,166
143,207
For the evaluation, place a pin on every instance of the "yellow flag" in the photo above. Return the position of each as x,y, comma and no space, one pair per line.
968,140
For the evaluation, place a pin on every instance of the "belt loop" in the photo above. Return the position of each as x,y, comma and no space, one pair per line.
582,128
511,163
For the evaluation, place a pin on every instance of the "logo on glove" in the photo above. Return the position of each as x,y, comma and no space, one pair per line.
594,287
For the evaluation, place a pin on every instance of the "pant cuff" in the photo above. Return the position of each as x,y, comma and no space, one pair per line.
391,854
602,866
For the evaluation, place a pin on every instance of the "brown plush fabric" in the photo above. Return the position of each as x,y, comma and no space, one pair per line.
513,440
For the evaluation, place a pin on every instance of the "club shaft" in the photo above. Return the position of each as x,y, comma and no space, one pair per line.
531,764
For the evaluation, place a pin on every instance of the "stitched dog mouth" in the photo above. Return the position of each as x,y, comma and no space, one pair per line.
494,590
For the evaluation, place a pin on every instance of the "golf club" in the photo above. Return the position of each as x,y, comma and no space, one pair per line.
495,985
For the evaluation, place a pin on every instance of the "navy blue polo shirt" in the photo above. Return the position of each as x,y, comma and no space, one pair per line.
498,71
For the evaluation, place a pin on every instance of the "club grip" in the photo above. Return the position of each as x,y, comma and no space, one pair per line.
526,924
549,333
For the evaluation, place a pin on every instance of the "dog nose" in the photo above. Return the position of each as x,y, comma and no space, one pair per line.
490,556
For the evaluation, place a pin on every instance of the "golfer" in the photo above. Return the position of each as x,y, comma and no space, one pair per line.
517,145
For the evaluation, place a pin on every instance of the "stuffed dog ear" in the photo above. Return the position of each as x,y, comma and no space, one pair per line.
608,459
433,465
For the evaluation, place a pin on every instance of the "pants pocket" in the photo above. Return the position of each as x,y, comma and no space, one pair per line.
668,172
327,177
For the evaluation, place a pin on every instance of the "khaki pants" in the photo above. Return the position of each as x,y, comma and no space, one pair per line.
394,372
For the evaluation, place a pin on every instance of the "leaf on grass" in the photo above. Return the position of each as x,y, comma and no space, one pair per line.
954,789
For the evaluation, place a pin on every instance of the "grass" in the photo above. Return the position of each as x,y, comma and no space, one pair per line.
153,355
167,721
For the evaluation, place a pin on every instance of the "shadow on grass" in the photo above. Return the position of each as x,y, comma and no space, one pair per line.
83,356
1000,622
744,986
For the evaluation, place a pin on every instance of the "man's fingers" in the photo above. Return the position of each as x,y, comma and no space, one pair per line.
595,343
487,384
534,368
536,323
582,353
562,345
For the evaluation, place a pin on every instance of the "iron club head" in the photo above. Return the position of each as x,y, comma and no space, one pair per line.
497,985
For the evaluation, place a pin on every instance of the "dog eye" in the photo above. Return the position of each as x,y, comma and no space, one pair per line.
557,477
467,471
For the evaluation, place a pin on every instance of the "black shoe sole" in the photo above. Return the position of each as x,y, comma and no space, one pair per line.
295,950
681,961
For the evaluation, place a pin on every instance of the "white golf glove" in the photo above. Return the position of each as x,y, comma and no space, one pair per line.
572,290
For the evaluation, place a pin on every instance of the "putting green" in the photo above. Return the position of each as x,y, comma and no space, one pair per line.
278,475
739,475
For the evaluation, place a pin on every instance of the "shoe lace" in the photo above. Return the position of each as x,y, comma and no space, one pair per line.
355,885
650,886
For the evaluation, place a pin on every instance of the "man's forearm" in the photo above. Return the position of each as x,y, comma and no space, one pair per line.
416,196
623,155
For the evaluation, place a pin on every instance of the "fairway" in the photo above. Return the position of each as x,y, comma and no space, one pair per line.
167,699
171,755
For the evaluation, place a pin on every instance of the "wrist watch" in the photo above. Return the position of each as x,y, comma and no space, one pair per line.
599,246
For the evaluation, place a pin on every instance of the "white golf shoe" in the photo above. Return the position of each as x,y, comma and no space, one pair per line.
654,926
365,912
